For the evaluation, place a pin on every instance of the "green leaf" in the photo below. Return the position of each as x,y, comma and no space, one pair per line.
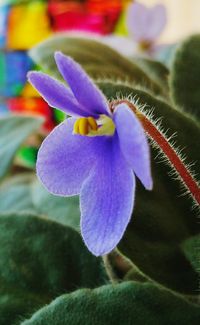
191,249
13,132
126,303
15,303
25,193
61,209
15,194
162,219
41,259
185,76
97,58
156,70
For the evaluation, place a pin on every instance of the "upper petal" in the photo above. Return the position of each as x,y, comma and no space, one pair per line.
64,160
55,93
106,199
133,143
157,21
85,91
137,20
145,23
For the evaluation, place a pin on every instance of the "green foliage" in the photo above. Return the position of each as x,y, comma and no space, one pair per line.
15,194
162,219
13,132
191,248
156,70
41,259
185,76
64,210
127,303
98,59
25,193
16,303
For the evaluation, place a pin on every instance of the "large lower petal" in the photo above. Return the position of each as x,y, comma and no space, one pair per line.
82,86
64,160
106,199
55,93
133,143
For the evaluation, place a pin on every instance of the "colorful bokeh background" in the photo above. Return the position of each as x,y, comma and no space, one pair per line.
25,23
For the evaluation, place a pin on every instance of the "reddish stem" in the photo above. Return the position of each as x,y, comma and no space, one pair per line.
168,150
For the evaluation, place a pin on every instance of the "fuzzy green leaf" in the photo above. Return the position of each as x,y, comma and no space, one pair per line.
13,132
25,193
185,76
162,219
61,209
16,303
127,303
97,58
191,248
156,70
15,194
42,259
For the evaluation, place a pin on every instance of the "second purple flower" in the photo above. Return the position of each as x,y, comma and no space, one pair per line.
96,153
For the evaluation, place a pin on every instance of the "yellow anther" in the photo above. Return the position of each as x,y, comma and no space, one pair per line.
76,127
92,128
83,126
92,123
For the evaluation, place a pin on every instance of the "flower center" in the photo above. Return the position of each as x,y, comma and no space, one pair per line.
88,126
145,45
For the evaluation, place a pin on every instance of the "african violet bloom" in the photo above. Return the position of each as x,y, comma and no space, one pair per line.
146,24
95,153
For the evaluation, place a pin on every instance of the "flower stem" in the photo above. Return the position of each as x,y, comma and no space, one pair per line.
171,154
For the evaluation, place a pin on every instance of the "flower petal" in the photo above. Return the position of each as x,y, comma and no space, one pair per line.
106,199
137,20
64,160
157,21
145,23
55,93
133,143
85,91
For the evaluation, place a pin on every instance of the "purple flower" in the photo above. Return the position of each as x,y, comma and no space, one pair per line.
146,24
95,153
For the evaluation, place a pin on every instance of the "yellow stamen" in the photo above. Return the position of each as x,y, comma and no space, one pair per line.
83,126
90,127
76,127
92,123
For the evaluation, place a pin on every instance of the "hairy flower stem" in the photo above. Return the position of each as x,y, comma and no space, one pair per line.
181,169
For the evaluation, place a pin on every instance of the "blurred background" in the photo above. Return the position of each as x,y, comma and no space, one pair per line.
183,18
